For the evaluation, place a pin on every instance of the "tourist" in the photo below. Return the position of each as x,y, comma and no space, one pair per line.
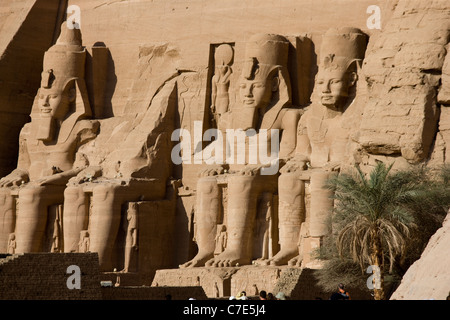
341,294
280,296
263,295
242,296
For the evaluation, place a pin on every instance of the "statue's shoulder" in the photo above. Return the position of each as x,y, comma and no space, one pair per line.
305,114
26,130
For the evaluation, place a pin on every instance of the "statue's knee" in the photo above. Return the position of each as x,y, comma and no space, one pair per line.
241,185
31,194
101,191
105,192
290,183
206,185
5,198
72,194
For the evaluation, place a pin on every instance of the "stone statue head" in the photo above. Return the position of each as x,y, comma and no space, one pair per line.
342,53
62,96
264,81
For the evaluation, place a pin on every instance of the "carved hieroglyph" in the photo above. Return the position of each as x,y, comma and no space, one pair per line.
48,146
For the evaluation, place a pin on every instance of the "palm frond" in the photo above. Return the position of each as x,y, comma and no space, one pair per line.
400,210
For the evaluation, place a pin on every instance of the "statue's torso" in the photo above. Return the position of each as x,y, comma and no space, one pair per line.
46,158
328,137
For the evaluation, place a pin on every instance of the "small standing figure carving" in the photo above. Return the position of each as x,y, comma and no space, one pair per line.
221,239
83,245
131,242
12,243
264,233
56,237
220,99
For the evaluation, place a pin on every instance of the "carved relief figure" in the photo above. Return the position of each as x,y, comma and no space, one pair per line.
48,144
12,243
83,245
264,104
131,240
221,239
322,141
220,99
56,236
264,227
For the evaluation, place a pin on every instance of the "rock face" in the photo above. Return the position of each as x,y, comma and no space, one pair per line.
402,72
429,277
200,134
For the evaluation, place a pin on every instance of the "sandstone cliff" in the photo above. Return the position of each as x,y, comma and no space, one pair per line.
429,277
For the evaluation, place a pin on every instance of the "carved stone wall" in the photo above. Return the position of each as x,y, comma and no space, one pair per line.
44,276
403,75
97,168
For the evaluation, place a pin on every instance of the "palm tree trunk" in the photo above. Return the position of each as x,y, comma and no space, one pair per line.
377,260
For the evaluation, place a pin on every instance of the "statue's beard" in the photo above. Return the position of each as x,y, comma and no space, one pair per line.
46,129
246,118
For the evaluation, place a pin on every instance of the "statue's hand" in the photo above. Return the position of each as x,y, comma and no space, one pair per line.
211,170
15,178
251,170
87,175
62,178
294,165
59,179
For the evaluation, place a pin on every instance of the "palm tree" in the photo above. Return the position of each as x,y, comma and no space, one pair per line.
375,215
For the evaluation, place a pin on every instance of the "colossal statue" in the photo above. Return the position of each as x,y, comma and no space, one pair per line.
265,103
323,144
129,163
48,146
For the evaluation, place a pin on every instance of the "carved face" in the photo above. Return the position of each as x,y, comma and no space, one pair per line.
53,103
334,86
257,93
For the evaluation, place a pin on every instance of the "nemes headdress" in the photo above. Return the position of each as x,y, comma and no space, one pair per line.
64,64
267,55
